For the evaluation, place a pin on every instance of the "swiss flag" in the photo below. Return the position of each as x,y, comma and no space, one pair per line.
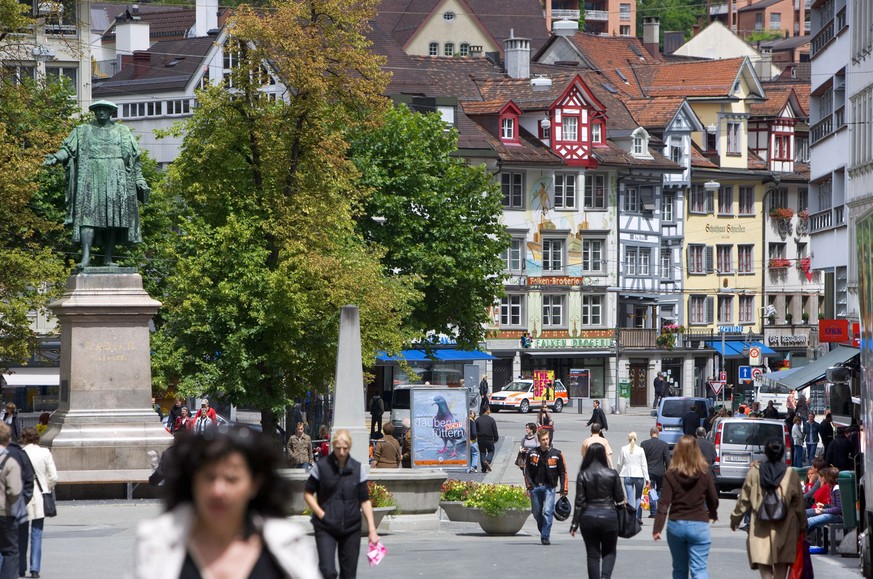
805,266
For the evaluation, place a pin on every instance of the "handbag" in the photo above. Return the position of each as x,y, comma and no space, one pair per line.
628,524
521,458
644,499
48,500
801,568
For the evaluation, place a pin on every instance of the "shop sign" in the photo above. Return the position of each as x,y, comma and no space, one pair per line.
554,281
730,329
725,228
833,330
574,343
799,340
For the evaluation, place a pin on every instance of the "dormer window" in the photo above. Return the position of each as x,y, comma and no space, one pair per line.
433,49
640,146
449,49
571,129
509,127
596,133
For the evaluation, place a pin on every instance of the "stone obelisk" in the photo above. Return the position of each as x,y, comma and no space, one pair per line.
105,425
349,406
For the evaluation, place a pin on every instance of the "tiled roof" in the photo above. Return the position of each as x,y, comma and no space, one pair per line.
171,65
710,78
483,107
612,154
777,97
789,43
801,71
699,160
615,57
165,24
530,149
653,113
758,5
756,162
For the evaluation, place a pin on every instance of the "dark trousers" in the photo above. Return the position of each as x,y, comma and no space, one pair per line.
657,481
23,536
376,425
599,529
486,450
347,546
9,547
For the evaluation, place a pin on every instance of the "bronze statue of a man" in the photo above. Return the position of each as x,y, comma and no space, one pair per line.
104,182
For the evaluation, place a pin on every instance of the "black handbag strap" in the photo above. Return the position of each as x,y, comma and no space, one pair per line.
36,477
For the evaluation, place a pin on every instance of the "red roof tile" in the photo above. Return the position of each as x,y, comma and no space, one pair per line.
711,78
653,113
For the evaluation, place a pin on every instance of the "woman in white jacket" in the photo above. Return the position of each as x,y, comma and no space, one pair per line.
634,471
45,476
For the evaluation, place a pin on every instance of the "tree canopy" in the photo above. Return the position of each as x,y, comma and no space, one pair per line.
438,219
674,14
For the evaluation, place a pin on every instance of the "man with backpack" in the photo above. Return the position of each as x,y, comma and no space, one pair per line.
377,409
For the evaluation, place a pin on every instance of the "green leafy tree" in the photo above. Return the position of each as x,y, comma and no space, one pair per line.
266,201
438,220
34,118
674,14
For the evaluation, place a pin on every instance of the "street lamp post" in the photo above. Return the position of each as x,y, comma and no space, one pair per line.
617,408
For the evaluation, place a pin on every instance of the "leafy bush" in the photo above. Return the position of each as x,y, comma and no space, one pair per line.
457,490
496,499
380,496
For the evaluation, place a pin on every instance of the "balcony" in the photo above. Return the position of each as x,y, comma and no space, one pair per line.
821,220
639,337
566,14
821,129
599,15
825,35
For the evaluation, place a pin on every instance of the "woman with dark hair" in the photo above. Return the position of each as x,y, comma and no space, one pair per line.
771,545
528,441
226,513
337,494
10,417
544,420
690,498
598,491
45,475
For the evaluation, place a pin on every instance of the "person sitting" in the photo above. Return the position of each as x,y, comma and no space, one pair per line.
822,496
831,511
813,480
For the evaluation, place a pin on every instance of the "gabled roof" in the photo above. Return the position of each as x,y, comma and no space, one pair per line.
654,113
172,64
613,154
528,150
165,24
779,95
758,5
402,19
103,13
701,79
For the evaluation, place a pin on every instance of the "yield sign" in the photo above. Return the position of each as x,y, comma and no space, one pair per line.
716,386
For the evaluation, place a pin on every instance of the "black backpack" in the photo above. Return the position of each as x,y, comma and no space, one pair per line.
376,405
772,508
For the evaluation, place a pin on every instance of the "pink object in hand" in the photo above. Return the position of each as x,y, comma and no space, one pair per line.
375,553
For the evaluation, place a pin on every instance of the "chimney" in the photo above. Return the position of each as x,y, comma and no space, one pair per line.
651,34
765,64
695,29
207,17
517,56
131,34
141,62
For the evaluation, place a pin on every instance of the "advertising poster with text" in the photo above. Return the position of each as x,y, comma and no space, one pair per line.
544,384
579,383
439,428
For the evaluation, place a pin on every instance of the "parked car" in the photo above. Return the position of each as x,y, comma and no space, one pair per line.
670,413
519,395
740,441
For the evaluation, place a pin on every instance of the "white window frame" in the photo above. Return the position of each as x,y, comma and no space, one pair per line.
596,133
631,200
554,255
666,262
565,190
552,304
507,128
570,128
512,311
668,207
734,138
433,49
592,255
513,256
592,309
512,186
594,182
449,49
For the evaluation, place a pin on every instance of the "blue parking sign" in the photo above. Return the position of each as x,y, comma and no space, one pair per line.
745,373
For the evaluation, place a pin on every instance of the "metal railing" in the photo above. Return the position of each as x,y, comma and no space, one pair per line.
638,337
821,129
821,38
568,14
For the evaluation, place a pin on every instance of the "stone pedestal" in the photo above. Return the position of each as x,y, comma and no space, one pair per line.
105,425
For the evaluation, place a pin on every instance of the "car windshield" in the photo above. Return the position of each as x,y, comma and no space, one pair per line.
517,387
751,433
773,388
400,399
678,408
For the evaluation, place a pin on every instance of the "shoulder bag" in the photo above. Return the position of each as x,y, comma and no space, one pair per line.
48,500
628,524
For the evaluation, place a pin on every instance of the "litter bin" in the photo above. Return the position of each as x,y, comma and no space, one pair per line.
849,498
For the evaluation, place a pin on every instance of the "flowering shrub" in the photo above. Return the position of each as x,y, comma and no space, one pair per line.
803,214
782,213
380,496
496,499
778,262
666,340
457,490
672,329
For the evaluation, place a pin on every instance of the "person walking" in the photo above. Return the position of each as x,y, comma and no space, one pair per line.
488,435
174,414
660,388
300,448
472,438
598,491
10,417
483,393
184,423
545,420
771,545
797,442
544,470
841,450
706,447
337,494
377,409
226,513
811,431
634,471
770,411
387,453
598,417
45,475
11,490
826,432
597,438
658,459
691,501
16,563
529,441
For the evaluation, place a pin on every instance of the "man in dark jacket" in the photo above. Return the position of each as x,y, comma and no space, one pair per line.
811,430
175,412
660,388
706,447
658,459
598,417
841,451
690,421
377,409
483,393
17,563
544,469
486,428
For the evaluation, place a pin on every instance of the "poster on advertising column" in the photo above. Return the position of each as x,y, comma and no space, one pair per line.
579,383
439,428
544,384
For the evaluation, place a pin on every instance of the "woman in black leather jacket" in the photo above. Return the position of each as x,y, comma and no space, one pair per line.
598,491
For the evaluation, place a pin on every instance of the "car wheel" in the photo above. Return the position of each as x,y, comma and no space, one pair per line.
559,406
524,407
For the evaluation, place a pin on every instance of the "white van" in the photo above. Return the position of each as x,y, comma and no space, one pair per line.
401,399
778,393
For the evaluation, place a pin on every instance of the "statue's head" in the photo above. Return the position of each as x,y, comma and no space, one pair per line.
103,110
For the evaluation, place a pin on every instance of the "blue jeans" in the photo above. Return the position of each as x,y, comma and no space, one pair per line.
542,503
822,520
689,546
474,455
796,455
633,488
810,451
36,526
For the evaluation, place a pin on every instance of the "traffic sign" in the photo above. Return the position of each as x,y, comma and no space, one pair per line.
754,356
722,376
757,374
716,386
745,373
